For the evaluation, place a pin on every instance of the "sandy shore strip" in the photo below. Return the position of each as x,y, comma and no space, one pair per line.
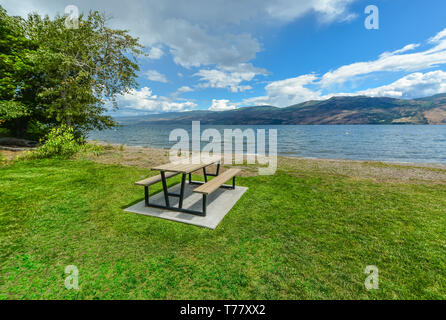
146,157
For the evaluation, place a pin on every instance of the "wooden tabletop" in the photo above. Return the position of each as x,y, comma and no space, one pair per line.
182,168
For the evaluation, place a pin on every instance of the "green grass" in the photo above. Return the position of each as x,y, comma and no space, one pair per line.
288,237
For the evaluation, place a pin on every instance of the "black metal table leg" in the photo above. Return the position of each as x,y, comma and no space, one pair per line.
180,196
166,191
205,204
146,195
183,184
182,191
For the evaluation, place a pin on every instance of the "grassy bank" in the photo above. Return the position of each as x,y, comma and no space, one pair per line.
307,232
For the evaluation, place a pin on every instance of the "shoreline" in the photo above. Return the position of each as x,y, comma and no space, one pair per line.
389,162
380,172
377,171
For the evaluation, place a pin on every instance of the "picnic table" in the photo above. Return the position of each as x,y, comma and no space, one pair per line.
205,188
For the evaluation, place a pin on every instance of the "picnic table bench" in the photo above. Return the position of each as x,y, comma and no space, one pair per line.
205,188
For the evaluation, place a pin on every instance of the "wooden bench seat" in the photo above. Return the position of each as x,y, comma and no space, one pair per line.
155,179
217,182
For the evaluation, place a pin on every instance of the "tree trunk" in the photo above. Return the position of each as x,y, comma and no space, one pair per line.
68,121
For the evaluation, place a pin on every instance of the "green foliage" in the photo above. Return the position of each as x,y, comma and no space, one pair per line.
10,110
15,74
91,148
37,130
55,75
60,143
84,69
4,132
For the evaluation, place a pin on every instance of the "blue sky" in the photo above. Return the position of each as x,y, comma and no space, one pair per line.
220,55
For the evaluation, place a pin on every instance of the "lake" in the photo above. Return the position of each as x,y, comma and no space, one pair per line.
397,143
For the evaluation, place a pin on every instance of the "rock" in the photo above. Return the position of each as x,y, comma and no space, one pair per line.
16,142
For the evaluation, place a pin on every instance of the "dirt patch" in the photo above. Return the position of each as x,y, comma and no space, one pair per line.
129,156
378,171
10,155
436,116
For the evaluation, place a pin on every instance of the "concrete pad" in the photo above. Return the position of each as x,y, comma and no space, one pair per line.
219,202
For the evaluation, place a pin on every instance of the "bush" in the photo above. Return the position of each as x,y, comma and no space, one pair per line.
2,160
3,131
91,148
59,143
37,130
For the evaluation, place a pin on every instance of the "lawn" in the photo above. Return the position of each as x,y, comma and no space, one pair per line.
294,235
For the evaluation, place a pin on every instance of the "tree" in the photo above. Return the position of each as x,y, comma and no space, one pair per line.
15,74
73,76
84,69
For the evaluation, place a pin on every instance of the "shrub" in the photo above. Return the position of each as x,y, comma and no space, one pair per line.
3,131
92,148
37,130
59,143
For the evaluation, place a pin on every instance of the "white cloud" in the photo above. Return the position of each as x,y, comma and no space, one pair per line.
392,62
155,53
144,100
196,32
409,47
193,47
154,75
291,91
438,37
221,105
229,77
414,85
220,79
328,10
287,92
184,89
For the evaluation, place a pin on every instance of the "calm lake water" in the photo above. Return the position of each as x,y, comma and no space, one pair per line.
399,143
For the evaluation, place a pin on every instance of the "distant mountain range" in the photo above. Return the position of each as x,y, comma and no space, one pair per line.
337,110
